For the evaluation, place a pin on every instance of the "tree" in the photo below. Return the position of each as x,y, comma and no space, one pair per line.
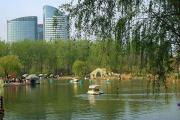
148,28
23,50
4,48
107,18
10,64
79,68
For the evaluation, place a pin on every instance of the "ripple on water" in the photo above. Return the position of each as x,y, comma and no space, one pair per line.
125,97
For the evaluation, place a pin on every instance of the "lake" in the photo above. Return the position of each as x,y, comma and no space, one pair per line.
61,100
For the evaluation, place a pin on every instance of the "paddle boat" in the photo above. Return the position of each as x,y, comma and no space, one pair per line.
74,80
86,78
94,90
33,79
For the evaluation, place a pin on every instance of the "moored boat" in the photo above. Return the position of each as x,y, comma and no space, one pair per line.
74,80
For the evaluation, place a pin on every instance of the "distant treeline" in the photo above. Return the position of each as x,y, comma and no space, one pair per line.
80,57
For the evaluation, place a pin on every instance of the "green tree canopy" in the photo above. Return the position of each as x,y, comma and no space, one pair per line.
79,68
144,31
10,64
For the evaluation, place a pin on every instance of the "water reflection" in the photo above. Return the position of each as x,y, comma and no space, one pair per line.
54,99
1,116
92,99
1,91
75,88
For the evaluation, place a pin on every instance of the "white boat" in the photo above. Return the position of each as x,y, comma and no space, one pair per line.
86,78
94,90
33,79
74,80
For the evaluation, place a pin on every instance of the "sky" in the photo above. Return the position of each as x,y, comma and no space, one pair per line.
11,9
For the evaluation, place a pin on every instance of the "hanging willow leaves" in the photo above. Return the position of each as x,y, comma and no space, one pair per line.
145,29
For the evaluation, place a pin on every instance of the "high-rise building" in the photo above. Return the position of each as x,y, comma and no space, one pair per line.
40,31
56,24
22,28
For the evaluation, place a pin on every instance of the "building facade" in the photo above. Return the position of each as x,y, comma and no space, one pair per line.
22,28
40,31
56,24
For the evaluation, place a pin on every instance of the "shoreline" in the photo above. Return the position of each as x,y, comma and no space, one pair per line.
169,77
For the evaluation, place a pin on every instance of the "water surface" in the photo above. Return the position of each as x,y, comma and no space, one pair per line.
61,100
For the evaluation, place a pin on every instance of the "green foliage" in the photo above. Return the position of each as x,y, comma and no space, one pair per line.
59,57
10,64
144,33
3,49
80,68
134,36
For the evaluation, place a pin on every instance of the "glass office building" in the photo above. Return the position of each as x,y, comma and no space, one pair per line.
22,28
40,31
56,24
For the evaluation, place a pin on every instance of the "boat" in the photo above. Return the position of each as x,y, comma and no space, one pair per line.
33,79
74,80
86,78
24,75
94,90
